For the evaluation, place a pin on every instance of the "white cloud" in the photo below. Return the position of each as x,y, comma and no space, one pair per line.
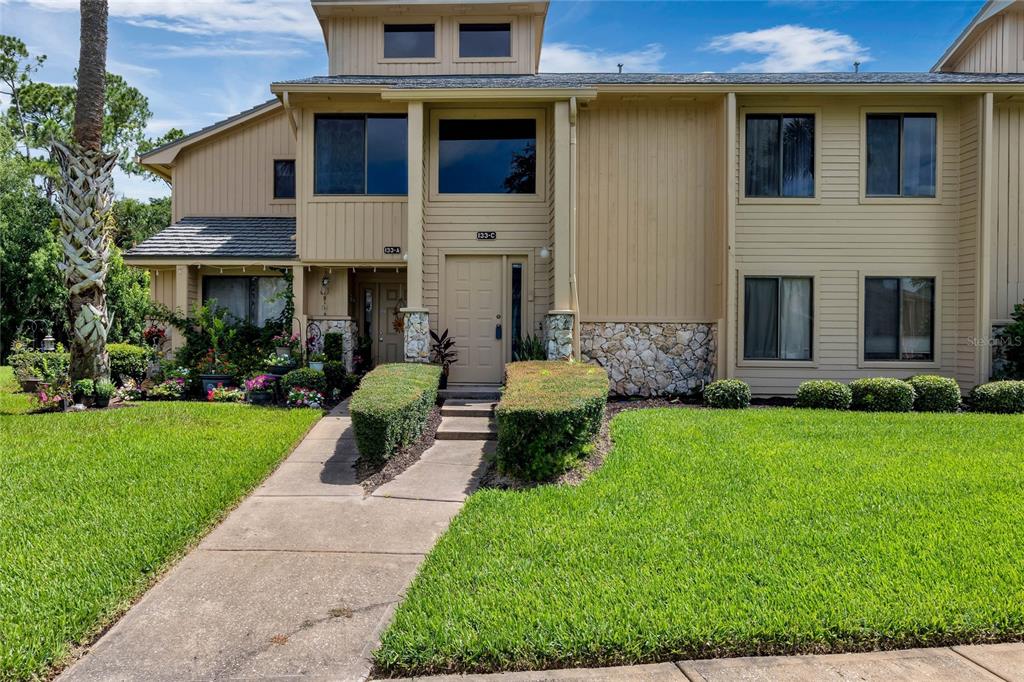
223,50
208,17
130,71
569,58
791,47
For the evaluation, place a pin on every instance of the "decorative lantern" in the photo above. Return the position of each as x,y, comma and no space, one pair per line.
48,344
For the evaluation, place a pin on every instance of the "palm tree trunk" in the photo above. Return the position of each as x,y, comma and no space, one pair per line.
84,204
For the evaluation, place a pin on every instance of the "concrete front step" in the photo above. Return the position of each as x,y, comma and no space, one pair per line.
467,428
471,392
468,408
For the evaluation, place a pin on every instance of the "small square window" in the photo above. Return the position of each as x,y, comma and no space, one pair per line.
284,179
777,318
485,40
408,41
899,318
901,155
779,155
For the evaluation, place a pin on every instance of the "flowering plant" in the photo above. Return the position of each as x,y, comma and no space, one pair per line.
53,396
260,382
154,335
130,390
285,340
222,394
304,397
171,389
212,363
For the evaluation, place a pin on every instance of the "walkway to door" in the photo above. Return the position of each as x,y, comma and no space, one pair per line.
300,579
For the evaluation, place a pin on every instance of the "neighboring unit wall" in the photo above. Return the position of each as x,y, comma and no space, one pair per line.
649,254
356,47
967,353
232,174
841,238
998,49
339,228
1008,213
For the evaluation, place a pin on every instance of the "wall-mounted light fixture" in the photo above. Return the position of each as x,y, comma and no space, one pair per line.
545,252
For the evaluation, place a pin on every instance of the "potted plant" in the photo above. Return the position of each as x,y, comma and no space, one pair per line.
260,389
277,365
285,344
316,361
443,353
104,392
53,396
214,371
83,390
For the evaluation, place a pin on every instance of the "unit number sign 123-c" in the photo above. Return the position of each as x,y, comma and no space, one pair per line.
486,235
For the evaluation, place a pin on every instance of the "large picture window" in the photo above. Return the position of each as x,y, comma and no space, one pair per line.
901,155
487,156
360,154
256,300
779,154
899,318
408,41
777,318
485,40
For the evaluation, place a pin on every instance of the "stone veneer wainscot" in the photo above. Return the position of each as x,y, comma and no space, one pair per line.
652,359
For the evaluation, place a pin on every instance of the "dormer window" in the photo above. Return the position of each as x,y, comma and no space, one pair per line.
483,41
409,41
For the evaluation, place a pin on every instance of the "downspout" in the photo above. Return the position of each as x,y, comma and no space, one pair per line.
573,230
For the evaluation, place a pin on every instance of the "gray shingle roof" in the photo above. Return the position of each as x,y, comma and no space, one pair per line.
221,238
585,80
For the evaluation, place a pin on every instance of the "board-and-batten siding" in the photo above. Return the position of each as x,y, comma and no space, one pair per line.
346,229
649,212
356,47
161,286
967,357
522,227
1007,270
841,239
233,174
998,49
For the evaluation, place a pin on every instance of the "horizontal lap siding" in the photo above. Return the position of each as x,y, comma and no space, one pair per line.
233,174
649,218
356,48
1008,267
840,240
967,357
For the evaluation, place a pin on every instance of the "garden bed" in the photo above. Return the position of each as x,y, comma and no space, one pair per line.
723,533
97,504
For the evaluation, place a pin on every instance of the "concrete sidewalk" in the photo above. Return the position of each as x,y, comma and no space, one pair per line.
982,663
299,579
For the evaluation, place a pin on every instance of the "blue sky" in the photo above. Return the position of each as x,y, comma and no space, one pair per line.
199,61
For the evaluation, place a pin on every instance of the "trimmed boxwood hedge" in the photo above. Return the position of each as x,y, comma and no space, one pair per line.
824,394
128,361
1001,397
391,406
882,395
935,393
548,415
730,394
304,377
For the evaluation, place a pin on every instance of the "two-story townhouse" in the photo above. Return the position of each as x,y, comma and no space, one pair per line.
671,227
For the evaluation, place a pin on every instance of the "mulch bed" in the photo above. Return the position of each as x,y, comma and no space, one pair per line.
372,474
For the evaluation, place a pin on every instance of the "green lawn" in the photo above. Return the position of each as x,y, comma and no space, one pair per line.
11,401
93,505
715,533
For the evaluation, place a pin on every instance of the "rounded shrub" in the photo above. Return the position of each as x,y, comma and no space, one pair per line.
730,394
934,393
1001,397
824,394
882,395
304,377
128,361
334,346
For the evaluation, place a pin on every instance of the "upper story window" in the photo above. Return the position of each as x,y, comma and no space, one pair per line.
899,317
360,154
901,155
485,40
779,155
487,156
409,41
284,179
777,318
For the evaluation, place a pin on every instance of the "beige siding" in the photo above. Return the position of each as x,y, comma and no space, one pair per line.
350,229
999,47
649,216
356,46
161,286
523,228
232,174
842,238
1007,268
967,256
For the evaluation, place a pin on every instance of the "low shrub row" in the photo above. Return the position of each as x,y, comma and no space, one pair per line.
391,407
922,393
126,362
548,415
